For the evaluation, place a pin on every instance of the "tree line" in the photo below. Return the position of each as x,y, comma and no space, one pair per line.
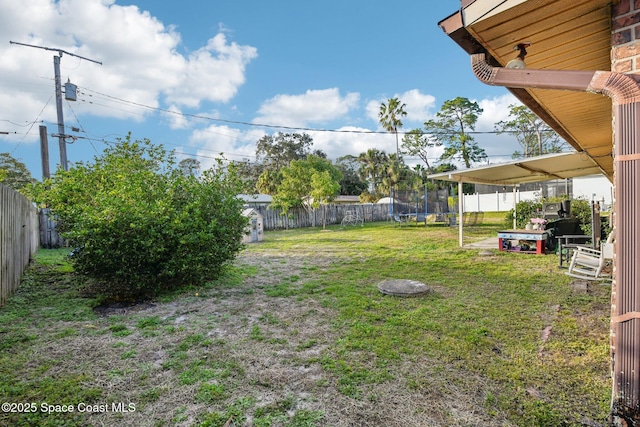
288,168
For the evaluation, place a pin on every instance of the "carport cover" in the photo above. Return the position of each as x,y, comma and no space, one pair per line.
530,169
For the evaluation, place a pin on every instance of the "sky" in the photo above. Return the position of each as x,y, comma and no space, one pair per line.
209,79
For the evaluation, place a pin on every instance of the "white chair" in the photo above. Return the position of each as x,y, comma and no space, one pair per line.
587,263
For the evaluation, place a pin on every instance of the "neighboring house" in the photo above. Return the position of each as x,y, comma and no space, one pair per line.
580,51
256,200
346,200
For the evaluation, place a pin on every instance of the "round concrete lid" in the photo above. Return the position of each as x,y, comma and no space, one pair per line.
403,288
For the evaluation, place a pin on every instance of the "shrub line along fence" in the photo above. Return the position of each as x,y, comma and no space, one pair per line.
19,239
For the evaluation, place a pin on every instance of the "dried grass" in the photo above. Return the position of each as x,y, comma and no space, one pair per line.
283,365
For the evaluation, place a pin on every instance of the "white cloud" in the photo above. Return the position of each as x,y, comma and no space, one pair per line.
494,110
314,106
140,59
353,141
212,73
419,105
216,141
498,147
373,108
175,118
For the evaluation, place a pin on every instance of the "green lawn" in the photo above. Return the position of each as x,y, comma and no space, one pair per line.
297,332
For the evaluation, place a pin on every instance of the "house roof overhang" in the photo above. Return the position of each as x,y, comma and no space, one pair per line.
565,35
531,169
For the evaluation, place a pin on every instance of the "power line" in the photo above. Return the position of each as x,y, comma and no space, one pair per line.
24,125
81,128
56,68
31,126
272,126
266,125
234,122
106,141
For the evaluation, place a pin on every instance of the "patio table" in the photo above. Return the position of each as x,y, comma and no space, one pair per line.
535,239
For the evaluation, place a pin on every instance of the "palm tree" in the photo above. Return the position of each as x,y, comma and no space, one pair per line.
390,114
394,172
421,171
371,167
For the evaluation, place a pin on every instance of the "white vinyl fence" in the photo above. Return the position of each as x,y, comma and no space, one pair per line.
496,202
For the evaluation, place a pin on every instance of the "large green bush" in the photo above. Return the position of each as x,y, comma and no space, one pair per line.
525,210
141,226
581,209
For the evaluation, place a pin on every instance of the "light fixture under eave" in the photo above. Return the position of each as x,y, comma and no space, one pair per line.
518,63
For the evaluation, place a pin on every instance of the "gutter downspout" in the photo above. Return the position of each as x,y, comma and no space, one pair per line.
624,91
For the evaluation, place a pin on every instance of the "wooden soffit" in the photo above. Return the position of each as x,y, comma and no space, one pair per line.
564,35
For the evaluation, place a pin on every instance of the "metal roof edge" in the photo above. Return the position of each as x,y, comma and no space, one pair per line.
460,175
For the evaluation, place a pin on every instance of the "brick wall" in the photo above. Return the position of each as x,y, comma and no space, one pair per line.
625,37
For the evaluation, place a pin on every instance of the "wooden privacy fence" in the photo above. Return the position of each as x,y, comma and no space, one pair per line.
300,217
19,239
49,236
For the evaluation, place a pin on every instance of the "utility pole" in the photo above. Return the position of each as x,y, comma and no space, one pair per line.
58,84
44,152
61,136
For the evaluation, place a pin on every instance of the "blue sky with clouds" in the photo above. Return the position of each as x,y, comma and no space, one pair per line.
204,77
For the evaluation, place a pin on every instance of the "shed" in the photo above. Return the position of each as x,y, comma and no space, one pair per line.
254,231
